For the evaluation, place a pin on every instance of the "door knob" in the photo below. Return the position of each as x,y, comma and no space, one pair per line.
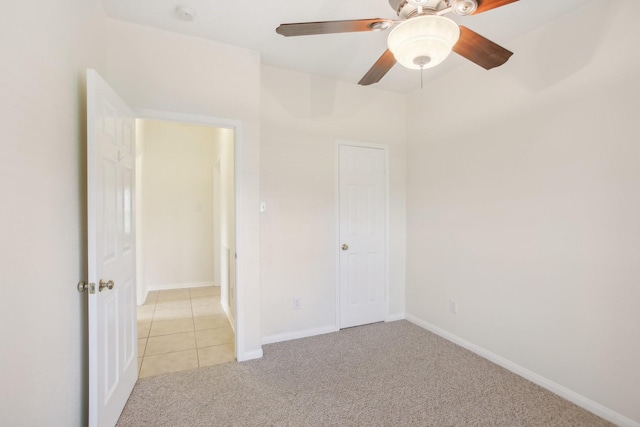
109,285
345,247
86,286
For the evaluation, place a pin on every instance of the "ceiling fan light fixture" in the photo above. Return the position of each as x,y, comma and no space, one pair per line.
428,36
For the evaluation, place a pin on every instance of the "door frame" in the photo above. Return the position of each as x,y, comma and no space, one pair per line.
236,125
385,149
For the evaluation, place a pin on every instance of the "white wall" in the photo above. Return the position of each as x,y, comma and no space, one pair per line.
523,206
154,69
302,116
525,213
46,47
177,204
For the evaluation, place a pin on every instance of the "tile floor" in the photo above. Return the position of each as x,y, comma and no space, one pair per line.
183,329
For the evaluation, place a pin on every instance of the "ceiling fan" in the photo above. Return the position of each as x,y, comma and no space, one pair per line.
422,38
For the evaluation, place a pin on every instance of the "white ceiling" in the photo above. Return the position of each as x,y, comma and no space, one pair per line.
251,24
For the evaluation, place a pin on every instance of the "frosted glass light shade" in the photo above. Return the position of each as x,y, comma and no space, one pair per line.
423,41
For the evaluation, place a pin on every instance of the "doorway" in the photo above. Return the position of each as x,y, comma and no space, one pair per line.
186,230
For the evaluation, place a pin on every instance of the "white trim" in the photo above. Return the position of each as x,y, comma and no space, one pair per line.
336,174
141,288
238,137
170,116
183,285
227,311
238,181
250,355
287,336
395,317
144,294
553,387
385,149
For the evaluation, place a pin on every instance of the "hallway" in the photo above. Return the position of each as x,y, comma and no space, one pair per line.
182,329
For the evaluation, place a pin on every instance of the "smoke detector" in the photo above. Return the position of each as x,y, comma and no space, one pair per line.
185,13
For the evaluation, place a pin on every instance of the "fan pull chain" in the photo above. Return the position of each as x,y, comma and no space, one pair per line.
421,61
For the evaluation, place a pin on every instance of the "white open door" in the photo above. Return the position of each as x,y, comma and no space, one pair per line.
113,368
362,222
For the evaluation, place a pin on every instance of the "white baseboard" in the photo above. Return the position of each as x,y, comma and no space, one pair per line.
556,388
250,355
395,317
270,339
167,286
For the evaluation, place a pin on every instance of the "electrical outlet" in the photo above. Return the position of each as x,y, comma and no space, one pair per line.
453,306
297,304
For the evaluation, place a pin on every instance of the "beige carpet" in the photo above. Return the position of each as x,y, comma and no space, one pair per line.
386,374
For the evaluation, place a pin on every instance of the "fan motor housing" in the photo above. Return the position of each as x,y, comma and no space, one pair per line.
409,8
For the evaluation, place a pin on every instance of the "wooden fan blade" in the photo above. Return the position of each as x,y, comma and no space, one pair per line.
379,69
330,27
484,5
480,50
